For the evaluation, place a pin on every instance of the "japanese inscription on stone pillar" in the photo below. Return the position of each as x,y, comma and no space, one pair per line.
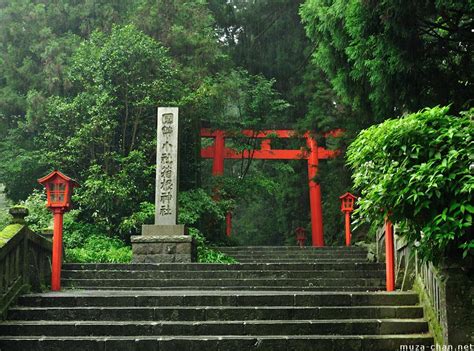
166,194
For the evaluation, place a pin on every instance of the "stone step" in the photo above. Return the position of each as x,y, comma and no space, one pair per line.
283,257
274,299
313,266
323,282
235,327
212,313
293,248
274,274
155,298
288,288
309,259
296,253
221,343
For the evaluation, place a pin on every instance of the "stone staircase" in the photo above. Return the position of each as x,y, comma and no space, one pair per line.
276,298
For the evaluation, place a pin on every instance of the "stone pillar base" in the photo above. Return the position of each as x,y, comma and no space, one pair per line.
161,244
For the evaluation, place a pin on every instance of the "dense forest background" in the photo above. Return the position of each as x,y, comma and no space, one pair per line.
80,82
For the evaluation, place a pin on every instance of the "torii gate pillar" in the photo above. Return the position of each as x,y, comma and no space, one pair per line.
315,194
218,170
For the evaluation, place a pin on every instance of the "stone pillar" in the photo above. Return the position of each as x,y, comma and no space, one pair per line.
165,241
457,303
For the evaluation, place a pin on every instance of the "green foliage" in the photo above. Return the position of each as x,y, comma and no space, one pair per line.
9,232
4,218
116,200
4,206
188,29
236,100
133,223
207,254
99,249
80,82
417,169
88,243
387,57
266,37
39,216
195,204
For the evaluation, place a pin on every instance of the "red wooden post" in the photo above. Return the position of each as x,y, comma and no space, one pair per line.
389,256
57,250
300,236
218,170
228,220
348,228
58,193
219,147
347,206
315,194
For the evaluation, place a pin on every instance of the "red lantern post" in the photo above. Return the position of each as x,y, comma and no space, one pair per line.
300,236
347,206
389,255
59,191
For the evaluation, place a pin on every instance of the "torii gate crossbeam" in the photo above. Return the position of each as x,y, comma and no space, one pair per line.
312,153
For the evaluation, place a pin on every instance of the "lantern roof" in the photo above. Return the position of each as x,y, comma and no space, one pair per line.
54,173
347,195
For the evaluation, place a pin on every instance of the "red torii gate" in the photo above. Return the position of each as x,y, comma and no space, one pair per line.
313,153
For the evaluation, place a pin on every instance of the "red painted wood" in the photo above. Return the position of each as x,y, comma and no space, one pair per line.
266,144
277,133
389,256
315,195
219,154
228,222
266,154
348,228
57,250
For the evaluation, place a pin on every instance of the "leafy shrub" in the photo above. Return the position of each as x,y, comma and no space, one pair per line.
194,205
39,216
116,201
85,242
205,253
99,249
4,205
4,218
417,169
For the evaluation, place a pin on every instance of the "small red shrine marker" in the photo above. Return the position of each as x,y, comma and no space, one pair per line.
300,236
347,206
59,189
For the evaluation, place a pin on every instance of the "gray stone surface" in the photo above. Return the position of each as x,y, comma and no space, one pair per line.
166,193
165,241
172,306
157,229
457,304
150,239
157,258
162,248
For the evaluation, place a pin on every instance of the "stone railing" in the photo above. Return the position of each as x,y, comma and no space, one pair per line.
25,260
446,291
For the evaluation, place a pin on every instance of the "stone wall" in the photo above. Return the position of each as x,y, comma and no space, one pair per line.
449,288
25,260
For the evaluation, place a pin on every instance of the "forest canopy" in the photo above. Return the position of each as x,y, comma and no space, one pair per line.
80,82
